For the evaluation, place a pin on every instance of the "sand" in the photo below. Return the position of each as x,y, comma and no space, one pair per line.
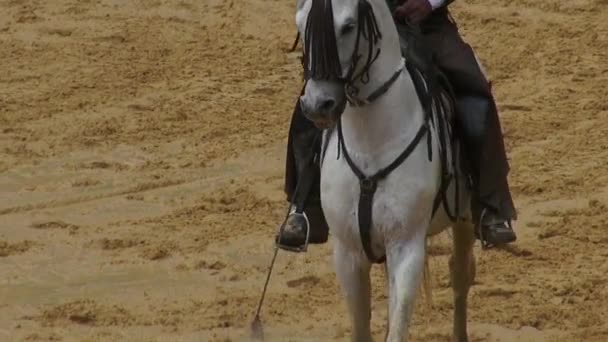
141,165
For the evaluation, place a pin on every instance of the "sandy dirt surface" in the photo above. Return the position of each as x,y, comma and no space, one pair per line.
141,163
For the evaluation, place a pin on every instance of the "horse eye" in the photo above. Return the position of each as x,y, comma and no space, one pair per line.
348,28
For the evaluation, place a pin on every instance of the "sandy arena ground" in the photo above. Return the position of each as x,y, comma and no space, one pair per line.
141,163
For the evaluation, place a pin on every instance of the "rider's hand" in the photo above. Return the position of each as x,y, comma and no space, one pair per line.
414,10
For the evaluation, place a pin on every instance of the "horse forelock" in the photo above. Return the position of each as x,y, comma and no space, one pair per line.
321,58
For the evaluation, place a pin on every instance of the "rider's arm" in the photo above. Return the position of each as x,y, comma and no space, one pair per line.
437,3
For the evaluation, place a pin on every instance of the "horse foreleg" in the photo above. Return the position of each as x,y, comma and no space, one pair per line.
405,259
462,270
353,270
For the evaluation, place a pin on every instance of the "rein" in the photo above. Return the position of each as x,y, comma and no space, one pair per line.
369,30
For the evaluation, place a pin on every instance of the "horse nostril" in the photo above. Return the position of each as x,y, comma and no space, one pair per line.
328,105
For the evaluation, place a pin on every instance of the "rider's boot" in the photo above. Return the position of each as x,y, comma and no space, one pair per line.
305,223
491,204
303,227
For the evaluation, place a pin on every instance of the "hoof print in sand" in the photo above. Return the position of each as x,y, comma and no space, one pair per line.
115,244
7,249
54,225
304,281
156,253
214,266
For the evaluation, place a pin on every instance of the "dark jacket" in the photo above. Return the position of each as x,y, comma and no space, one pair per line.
392,4
435,19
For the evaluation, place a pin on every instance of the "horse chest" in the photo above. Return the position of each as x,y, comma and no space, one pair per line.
398,200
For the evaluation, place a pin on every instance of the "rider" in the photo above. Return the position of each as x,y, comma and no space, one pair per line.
492,205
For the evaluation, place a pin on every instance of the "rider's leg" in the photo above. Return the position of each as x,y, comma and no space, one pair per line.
302,176
493,204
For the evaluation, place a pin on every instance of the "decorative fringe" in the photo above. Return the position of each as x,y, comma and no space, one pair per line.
321,59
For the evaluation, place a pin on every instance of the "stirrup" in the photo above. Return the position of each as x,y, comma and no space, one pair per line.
300,249
485,245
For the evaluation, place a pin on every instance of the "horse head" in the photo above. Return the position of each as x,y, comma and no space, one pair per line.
342,42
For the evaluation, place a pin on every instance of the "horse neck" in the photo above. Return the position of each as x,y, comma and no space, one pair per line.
394,118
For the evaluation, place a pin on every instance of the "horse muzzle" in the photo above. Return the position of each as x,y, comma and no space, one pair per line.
322,111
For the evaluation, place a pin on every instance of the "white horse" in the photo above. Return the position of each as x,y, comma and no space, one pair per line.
356,81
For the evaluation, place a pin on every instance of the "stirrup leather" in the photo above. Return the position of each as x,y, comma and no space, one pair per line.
482,239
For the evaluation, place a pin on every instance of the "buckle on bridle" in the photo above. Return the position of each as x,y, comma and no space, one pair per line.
368,185
351,96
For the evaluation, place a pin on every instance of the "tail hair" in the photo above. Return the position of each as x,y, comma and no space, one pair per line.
427,278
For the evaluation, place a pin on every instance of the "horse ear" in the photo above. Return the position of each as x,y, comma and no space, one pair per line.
299,4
